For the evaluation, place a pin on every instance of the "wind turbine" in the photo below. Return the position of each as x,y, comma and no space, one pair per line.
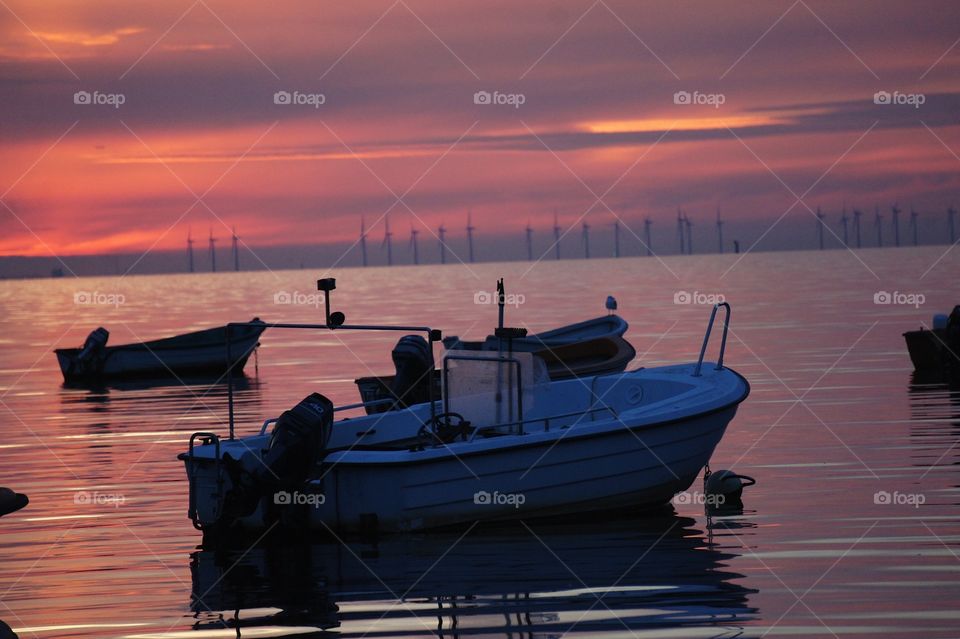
843,220
586,240
470,229
413,244
950,213
878,222
388,240
441,234
213,253
896,224
646,230
556,234
616,238
680,232
689,224
719,232
856,224
820,217
190,250
914,226
236,252
529,232
363,239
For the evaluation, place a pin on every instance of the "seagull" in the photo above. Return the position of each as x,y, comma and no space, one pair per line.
611,304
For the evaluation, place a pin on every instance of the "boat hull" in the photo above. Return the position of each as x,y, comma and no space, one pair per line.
195,354
930,350
620,469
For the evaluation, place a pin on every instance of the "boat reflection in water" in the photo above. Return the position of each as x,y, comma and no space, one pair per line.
545,578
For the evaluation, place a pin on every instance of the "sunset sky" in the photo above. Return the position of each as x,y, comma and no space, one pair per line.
198,141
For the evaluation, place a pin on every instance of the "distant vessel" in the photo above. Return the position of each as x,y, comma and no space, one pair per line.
502,442
198,353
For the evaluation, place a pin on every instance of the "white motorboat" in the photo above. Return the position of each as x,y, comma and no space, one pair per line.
503,442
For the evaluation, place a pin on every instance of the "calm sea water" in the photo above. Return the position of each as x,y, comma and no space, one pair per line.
852,529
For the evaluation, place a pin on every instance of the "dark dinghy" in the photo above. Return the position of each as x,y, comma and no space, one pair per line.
936,350
592,347
198,353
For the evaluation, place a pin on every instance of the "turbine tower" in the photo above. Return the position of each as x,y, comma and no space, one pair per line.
413,244
680,232
388,240
586,240
213,253
878,223
529,232
556,234
236,251
843,221
896,224
441,235
190,250
820,217
470,229
914,227
719,232
687,222
616,238
856,224
951,212
646,230
363,240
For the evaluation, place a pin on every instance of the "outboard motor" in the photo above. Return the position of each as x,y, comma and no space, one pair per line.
411,357
90,357
297,443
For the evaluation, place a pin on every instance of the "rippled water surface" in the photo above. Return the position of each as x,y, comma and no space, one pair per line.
852,529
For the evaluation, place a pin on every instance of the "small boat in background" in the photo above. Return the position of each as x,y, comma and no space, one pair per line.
591,347
198,353
936,349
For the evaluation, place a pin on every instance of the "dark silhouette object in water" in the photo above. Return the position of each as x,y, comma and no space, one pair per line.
6,632
936,349
11,502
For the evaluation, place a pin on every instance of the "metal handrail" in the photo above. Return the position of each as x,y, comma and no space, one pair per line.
706,337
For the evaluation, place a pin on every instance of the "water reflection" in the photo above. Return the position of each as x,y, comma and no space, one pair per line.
545,578
935,418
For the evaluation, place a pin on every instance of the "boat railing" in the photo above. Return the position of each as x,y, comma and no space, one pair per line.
334,322
706,337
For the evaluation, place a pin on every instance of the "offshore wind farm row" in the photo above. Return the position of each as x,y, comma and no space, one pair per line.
848,231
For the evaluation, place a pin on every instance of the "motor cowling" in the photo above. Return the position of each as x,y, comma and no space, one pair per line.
414,375
91,355
297,444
